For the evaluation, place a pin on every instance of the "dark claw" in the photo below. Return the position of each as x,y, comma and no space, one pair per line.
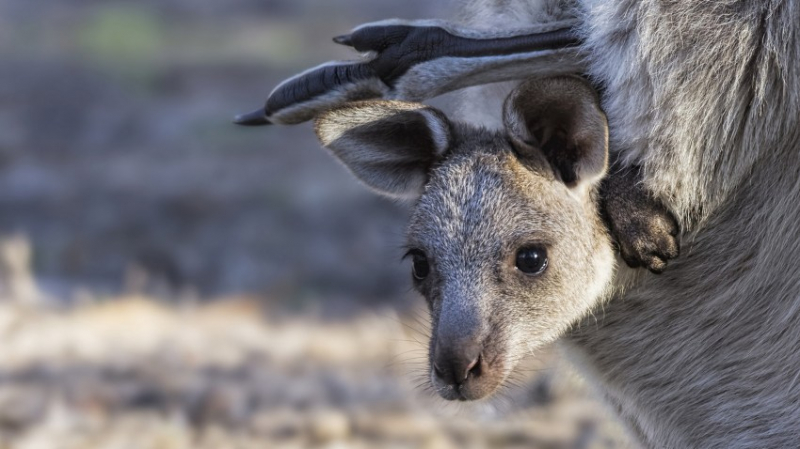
345,39
255,118
656,265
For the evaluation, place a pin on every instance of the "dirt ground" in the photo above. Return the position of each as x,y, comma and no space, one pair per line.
132,372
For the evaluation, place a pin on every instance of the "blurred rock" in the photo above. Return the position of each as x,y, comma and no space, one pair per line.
328,426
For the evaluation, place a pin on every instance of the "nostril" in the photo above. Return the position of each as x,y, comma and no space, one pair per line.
438,371
454,365
474,368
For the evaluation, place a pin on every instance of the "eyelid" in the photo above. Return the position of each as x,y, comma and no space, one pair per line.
528,240
532,244
411,251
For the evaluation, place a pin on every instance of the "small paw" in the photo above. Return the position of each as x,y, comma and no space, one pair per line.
646,233
648,238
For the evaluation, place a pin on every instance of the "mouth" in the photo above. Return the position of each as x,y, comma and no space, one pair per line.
453,393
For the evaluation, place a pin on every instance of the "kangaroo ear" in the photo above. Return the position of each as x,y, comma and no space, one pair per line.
560,118
389,145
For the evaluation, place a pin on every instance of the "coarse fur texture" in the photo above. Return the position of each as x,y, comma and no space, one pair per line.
705,98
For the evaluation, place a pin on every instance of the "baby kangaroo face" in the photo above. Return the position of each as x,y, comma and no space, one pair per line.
507,257
505,240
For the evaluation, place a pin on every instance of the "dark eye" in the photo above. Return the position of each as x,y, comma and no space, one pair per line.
419,267
532,259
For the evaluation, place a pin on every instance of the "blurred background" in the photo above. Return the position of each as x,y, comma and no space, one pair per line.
169,280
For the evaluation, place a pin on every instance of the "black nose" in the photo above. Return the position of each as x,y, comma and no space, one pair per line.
453,364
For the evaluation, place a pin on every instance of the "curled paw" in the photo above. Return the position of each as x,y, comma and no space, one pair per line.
646,233
648,238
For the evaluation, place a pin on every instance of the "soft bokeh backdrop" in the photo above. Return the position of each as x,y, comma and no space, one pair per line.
172,281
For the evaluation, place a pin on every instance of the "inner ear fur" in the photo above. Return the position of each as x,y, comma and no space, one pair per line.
388,145
560,118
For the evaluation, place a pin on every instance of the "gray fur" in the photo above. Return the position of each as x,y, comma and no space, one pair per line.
476,33
442,75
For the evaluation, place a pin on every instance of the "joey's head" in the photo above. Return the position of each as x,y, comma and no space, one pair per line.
506,241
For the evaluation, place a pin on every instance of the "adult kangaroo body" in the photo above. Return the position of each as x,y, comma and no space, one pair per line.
704,98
